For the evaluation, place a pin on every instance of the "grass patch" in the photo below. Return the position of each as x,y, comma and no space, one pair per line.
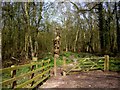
114,64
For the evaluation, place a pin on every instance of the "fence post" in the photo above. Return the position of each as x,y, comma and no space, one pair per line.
42,66
49,67
64,66
55,67
106,63
13,73
32,68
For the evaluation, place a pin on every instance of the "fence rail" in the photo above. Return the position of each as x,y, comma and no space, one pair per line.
36,75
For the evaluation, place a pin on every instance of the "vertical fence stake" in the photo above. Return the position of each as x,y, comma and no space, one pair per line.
32,68
49,67
64,66
55,71
106,63
43,69
13,73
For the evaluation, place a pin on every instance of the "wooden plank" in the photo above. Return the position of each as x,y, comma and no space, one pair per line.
23,75
29,81
92,58
72,68
87,65
39,81
75,70
20,66
100,64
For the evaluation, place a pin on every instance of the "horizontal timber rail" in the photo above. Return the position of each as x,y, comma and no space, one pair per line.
94,58
38,72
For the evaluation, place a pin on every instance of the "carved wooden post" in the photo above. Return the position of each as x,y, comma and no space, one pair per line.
13,73
56,49
64,66
106,63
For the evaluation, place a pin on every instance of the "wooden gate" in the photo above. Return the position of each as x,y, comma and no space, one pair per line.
86,64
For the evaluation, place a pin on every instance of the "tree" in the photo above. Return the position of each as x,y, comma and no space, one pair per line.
117,5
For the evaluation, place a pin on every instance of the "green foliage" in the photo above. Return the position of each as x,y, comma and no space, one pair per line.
23,70
6,76
114,64
67,54
83,55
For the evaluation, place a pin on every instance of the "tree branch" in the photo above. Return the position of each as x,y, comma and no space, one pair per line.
83,10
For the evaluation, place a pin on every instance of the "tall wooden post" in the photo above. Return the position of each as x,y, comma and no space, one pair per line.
56,49
64,66
106,63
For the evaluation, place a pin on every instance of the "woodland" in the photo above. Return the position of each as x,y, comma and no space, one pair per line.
28,29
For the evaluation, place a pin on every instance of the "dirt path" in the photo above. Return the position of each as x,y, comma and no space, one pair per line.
90,79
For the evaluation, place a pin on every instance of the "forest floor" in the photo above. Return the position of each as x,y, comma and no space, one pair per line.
89,79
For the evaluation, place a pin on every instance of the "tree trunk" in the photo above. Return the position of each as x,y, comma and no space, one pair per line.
117,27
100,17
76,39
27,31
26,46
66,45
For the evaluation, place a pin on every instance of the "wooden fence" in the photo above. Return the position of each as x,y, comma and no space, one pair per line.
38,72
86,62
